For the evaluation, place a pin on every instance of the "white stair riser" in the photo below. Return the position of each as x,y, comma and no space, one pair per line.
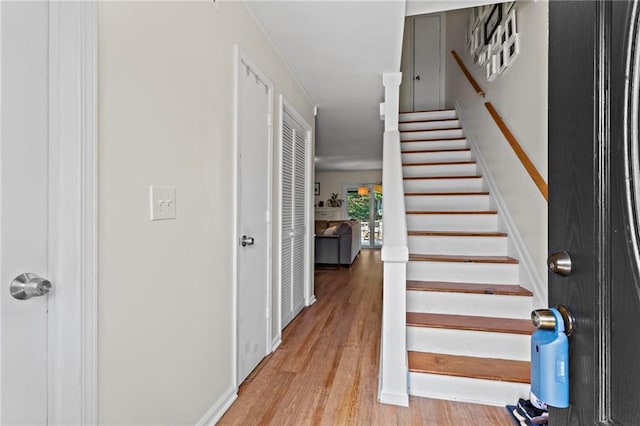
447,202
444,185
431,145
469,343
429,115
434,157
488,392
453,222
463,246
481,305
469,169
428,125
431,134
466,272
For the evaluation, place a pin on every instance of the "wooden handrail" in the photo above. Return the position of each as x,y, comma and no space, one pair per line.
466,72
524,159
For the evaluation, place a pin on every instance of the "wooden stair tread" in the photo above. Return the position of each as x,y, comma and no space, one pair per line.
435,139
431,151
429,121
462,259
470,323
430,130
472,288
441,177
439,194
456,234
428,110
442,163
467,366
453,212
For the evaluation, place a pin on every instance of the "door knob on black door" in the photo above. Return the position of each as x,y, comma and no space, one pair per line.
246,241
560,263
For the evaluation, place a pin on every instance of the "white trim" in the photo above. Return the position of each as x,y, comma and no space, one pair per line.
394,398
530,277
276,342
218,409
73,212
242,58
443,57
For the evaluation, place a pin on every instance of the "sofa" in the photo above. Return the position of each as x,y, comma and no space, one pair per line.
347,232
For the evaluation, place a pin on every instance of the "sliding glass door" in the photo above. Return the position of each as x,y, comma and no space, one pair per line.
364,204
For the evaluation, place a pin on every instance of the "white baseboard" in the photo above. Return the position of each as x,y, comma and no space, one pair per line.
276,342
218,409
530,278
393,398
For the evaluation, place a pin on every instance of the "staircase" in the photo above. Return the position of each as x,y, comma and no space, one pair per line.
468,331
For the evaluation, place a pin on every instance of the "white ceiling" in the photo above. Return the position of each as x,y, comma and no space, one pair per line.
339,50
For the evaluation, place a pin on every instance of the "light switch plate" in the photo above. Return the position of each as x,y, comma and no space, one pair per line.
163,202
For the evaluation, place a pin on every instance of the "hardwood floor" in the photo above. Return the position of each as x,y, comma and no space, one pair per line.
326,370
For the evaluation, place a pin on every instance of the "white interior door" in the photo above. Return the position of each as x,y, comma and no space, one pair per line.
23,208
427,64
254,109
294,253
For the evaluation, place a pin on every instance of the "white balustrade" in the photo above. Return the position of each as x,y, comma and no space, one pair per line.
395,255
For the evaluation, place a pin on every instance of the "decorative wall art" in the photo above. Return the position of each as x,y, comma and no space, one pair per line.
492,38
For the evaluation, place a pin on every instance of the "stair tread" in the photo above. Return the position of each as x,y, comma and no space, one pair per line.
429,121
461,259
470,323
442,163
428,110
441,177
456,234
438,194
430,130
435,139
431,151
473,367
453,212
472,288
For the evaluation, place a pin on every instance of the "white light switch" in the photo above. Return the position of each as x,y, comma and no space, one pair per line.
163,202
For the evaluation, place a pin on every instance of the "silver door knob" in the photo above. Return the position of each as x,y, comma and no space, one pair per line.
560,263
28,285
246,241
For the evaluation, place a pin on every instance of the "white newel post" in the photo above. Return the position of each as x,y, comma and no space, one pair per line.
393,387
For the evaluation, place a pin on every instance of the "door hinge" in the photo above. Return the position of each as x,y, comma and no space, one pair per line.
269,120
268,313
268,216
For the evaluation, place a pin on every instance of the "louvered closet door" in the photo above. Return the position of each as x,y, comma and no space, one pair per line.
294,182
286,304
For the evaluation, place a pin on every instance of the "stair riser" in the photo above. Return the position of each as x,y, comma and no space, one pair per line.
453,222
431,134
482,305
429,125
430,115
432,145
486,273
444,185
462,246
440,170
463,389
447,202
434,157
469,343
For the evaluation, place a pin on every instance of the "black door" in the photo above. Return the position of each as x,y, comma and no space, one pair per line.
594,203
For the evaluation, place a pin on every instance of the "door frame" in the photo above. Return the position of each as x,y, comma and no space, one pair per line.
309,296
241,57
72,215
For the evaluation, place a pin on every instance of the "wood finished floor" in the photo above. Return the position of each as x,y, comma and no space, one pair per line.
326,370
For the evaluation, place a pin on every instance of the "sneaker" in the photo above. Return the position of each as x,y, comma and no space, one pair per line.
532,414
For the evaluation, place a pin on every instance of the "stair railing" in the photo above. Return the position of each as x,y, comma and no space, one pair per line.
394,372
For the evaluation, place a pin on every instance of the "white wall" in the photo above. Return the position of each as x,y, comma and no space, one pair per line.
331,182
166,93
520,97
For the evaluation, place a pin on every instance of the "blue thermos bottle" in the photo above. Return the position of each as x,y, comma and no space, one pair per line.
550,357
